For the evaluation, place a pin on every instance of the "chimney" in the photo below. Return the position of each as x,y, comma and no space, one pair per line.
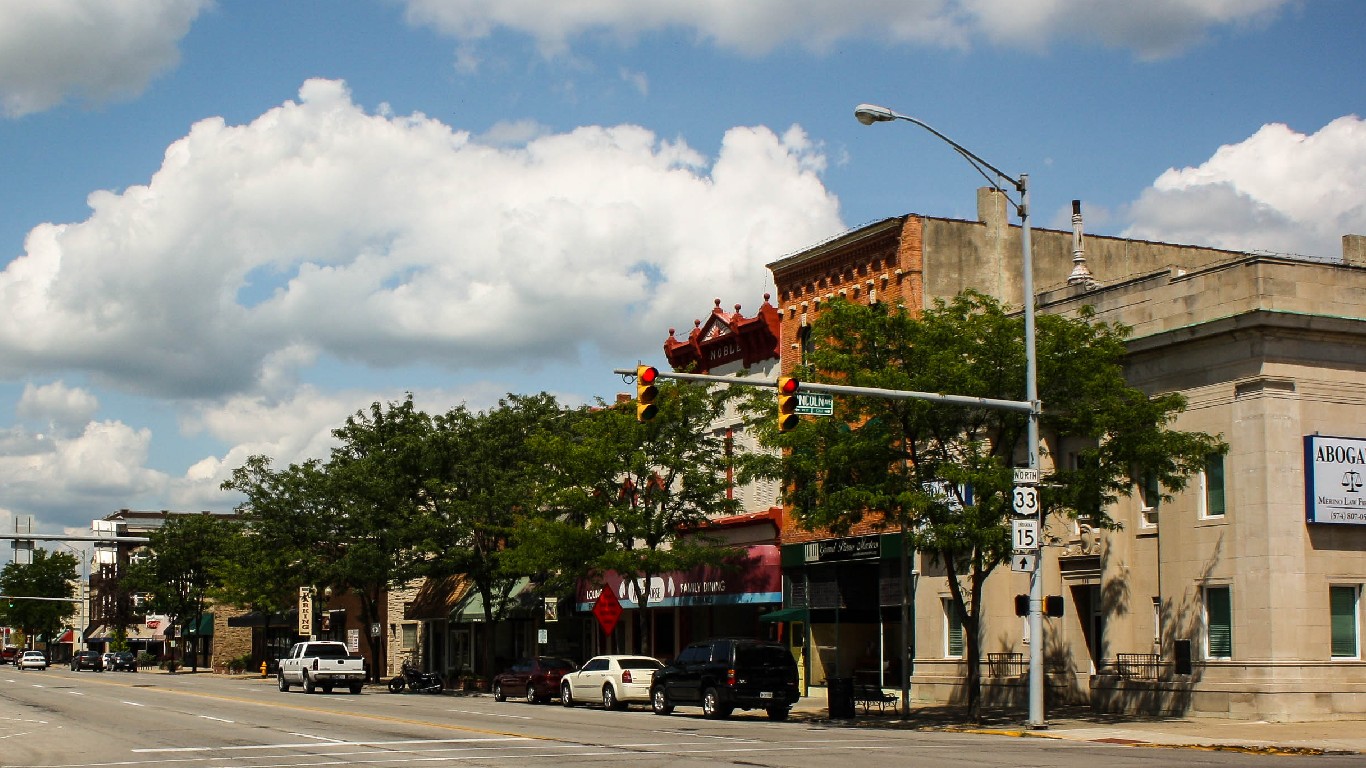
1080,274
1354,250
991,208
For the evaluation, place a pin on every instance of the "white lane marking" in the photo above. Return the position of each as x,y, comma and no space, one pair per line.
76,693
337,743
311,736
488,714
134,704
217,719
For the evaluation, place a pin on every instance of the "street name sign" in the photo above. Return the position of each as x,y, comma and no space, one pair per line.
815,404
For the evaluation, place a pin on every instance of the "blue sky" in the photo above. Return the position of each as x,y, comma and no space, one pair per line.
226,226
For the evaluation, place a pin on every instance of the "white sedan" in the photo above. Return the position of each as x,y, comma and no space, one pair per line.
613,680
32,660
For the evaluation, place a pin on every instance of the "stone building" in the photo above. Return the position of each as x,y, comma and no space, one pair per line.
1254,574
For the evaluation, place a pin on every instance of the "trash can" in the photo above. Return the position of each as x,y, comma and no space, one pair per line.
840,691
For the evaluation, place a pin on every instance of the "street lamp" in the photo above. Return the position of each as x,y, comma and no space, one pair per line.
871,113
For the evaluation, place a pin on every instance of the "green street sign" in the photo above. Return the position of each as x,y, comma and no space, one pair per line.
815,404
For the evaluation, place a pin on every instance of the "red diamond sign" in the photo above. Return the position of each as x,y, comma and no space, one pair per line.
608,609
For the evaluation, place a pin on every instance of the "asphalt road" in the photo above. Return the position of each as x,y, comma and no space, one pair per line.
62,718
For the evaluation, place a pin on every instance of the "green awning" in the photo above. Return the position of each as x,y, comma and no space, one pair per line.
471,608
204,629
786,614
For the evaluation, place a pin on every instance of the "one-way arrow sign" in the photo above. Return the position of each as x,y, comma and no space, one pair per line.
1023,563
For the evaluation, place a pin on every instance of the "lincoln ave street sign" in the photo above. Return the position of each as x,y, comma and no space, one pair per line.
815,404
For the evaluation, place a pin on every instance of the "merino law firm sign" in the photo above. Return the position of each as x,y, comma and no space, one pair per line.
1335,479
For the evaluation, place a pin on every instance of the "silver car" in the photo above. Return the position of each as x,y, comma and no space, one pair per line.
32,660
613,680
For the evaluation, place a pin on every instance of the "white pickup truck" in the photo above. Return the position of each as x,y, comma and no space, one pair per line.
321,664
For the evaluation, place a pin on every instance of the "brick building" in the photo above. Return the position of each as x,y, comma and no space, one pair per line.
1252,571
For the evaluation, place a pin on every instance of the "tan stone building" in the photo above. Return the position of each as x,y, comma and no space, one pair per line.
1255,572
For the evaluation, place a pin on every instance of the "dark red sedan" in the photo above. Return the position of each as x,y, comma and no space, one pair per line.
535,680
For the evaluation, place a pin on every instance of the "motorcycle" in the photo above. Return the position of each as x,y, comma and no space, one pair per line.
413,679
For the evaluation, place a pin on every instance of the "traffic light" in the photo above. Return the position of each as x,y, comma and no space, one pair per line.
1022,605
1052,606
787,402
646,392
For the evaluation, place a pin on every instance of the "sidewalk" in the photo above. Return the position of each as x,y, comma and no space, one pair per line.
1081,724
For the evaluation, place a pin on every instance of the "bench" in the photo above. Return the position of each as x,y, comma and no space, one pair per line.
868,692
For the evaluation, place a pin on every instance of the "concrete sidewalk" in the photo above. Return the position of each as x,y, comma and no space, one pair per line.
1081,724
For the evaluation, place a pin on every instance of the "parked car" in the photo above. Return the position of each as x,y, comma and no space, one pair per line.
87,660
321,664
536,679
108,658
125,661
614,680
727,674
32,660
9,655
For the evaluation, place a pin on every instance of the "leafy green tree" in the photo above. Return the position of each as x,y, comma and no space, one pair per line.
273,553
913,461
372,491
49,575
642,489
482,490
182,567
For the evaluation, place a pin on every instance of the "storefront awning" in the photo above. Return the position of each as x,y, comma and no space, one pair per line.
471,608
203,629
438,598
66,637
755,577
786,614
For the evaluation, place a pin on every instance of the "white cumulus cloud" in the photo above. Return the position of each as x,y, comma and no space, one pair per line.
92,50
1152,28
321,230
63,407
1279,190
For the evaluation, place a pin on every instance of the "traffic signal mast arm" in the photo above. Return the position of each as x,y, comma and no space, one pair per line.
839,389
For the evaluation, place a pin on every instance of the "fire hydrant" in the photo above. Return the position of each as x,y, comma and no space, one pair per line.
263,669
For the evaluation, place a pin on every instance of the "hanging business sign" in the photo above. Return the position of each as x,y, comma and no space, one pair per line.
1335,479
848,548
305,611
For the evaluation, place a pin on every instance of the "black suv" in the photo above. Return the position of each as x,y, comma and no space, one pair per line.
87,660
728,674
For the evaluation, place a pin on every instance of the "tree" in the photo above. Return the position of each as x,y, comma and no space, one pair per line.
915,461
50,575
481,492
272,553
370,493
643,489
182,567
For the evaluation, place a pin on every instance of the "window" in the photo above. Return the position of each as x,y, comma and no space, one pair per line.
953,630
1342,602
1218,623
409,636
1212,486
1157,620
1152,499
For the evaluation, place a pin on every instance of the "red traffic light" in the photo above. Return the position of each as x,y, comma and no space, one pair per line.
646,374
788,385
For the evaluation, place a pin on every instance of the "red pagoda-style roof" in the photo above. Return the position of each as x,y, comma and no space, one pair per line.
725,337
